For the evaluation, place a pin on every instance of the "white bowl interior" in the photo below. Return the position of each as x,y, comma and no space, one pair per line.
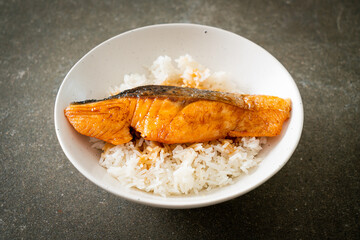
253,69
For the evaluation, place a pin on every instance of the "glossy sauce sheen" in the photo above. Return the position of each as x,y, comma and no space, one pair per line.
171,114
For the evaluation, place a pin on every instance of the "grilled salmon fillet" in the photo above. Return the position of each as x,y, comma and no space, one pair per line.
170,114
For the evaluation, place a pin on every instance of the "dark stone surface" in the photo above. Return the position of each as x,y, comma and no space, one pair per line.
315,196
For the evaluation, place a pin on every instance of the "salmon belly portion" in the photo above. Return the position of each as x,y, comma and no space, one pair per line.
173,121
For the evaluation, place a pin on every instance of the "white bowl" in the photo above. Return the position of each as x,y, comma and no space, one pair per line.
254,70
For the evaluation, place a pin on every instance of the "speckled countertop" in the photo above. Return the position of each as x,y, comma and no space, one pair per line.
315,196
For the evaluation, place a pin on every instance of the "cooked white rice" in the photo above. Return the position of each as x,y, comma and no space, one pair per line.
176,169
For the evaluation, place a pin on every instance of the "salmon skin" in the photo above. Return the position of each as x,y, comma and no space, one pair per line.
174,93
170,114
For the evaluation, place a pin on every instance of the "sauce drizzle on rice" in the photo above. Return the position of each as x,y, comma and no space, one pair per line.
177,169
